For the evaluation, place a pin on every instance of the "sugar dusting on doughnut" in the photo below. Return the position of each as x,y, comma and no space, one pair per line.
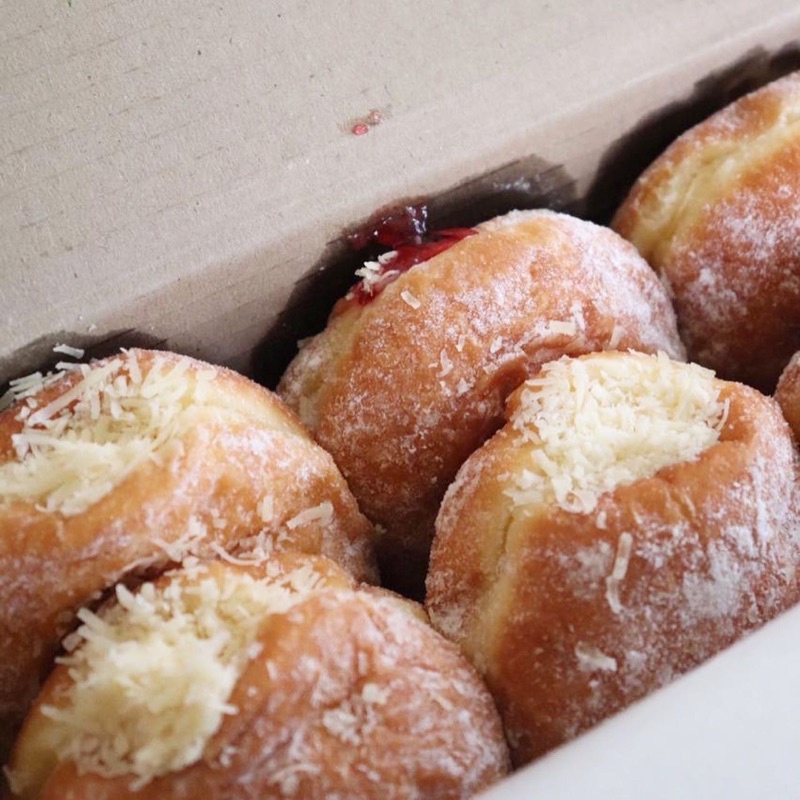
717,215
401,392
577,589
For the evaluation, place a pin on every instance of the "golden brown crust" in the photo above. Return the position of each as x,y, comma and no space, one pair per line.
531,598
787,394
351,696
402,390
237,446
718,216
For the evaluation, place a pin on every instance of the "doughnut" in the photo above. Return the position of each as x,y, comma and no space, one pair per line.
130,463
718,217
272,681
633,517
787,394
405,383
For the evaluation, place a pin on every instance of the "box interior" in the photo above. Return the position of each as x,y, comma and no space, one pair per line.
184,174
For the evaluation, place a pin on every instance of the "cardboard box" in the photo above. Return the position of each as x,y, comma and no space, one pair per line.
179,172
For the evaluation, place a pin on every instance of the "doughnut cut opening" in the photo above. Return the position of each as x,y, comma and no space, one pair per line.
587,425
699,181
150,675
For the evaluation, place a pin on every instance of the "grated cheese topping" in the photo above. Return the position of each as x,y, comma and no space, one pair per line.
321,513
68,350
599,422
619,571
592,659
410,299
152,674
77,448
374,273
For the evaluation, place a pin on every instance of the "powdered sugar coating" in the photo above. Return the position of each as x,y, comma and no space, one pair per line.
401,395
718,215
660,575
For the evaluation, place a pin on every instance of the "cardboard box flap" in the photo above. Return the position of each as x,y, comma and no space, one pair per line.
174,168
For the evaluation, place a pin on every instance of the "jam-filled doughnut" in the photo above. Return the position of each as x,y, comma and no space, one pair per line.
130,463
635,516
271,681
718,216
413,369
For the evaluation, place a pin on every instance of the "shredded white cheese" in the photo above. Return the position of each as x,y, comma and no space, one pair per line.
370,274
322,513
153,672
410,299
592,659
27,386
446,364
618,571
190,543
616,337
387,258
266,508
592,424
562,327
73,451
67,350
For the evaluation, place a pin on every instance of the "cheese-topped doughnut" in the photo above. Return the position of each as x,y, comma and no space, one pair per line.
225,681
405,383
718,216
635,516
130,463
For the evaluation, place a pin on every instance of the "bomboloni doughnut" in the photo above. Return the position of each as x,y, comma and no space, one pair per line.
635,516
284,680
787,393
718,216
403,386
130,463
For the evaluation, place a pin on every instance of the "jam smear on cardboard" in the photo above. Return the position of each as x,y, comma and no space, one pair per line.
405,231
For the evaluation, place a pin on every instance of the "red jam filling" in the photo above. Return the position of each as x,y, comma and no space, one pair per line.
406,233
